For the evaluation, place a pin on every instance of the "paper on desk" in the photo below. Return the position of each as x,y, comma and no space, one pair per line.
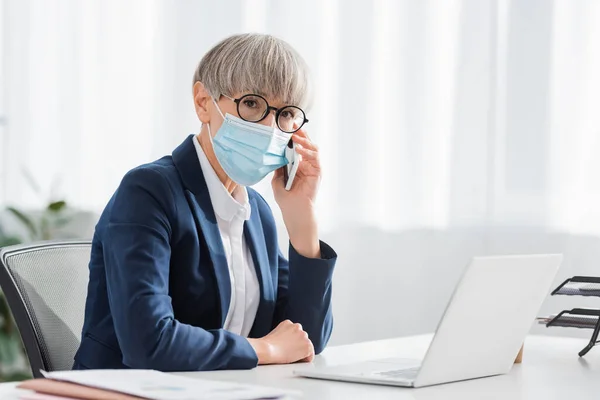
42,396
160,386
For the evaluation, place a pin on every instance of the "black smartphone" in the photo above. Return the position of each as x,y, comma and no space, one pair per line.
286,168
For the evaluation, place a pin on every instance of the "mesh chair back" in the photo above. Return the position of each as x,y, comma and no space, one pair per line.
46,285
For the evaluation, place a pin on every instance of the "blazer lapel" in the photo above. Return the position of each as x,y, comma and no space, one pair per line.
256,243
207,227
186,161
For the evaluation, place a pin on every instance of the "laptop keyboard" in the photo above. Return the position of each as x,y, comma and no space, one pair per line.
407,373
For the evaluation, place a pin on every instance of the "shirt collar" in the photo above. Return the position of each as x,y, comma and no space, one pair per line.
226,205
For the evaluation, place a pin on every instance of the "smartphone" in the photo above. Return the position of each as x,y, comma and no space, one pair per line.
289,171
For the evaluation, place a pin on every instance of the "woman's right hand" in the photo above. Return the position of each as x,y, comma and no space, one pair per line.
285,344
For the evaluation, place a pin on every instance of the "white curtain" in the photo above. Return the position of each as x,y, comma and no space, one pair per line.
429,114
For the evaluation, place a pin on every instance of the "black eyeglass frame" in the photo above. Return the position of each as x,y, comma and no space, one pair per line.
267,111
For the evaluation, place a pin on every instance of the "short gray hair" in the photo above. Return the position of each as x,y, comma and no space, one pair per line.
255,63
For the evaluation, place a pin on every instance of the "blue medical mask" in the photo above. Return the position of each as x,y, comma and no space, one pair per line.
248,151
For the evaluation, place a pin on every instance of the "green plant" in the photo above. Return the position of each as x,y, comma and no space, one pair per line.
45,225
7,240
12,365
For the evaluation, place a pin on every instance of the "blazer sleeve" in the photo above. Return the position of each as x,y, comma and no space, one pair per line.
137,257
304,293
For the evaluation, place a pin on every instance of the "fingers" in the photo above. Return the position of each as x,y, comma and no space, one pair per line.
306,148
309,157
278,173
311,355
292,342
305,142
301,133
278,178
307,343
307,153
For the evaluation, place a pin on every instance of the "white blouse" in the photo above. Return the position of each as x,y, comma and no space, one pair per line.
232,212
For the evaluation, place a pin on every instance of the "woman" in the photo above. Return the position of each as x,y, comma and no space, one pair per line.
185,271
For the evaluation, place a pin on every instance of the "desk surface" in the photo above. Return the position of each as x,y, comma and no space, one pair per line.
551,369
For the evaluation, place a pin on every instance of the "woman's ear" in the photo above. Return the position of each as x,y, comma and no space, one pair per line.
201,101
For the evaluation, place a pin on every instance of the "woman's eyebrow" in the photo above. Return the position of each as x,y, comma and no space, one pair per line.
252,91
272,103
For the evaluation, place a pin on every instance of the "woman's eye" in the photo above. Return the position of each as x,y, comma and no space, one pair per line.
286,115
250,103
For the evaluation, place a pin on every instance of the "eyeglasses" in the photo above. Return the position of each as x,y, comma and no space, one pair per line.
255,108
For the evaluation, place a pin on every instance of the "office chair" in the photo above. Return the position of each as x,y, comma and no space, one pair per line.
45,285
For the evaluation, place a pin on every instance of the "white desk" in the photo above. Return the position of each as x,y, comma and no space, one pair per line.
551,369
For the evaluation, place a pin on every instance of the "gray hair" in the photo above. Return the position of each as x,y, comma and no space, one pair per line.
255,63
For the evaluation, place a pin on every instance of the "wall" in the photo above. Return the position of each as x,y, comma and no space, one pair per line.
396,284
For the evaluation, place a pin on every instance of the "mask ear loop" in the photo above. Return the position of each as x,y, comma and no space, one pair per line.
208,125
210,136
218,108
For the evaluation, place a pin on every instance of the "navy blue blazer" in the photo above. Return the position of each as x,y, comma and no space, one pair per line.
159,286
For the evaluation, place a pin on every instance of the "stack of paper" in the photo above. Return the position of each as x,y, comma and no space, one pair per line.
141,384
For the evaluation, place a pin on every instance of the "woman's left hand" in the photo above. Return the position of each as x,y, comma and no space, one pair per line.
308,176
297,204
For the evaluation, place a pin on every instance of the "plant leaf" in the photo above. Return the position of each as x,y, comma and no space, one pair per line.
25,220
9,241
31,181
57,206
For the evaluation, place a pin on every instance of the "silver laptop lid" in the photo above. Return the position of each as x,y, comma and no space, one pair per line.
489,315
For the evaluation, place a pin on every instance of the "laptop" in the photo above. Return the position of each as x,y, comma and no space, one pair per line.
481,332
